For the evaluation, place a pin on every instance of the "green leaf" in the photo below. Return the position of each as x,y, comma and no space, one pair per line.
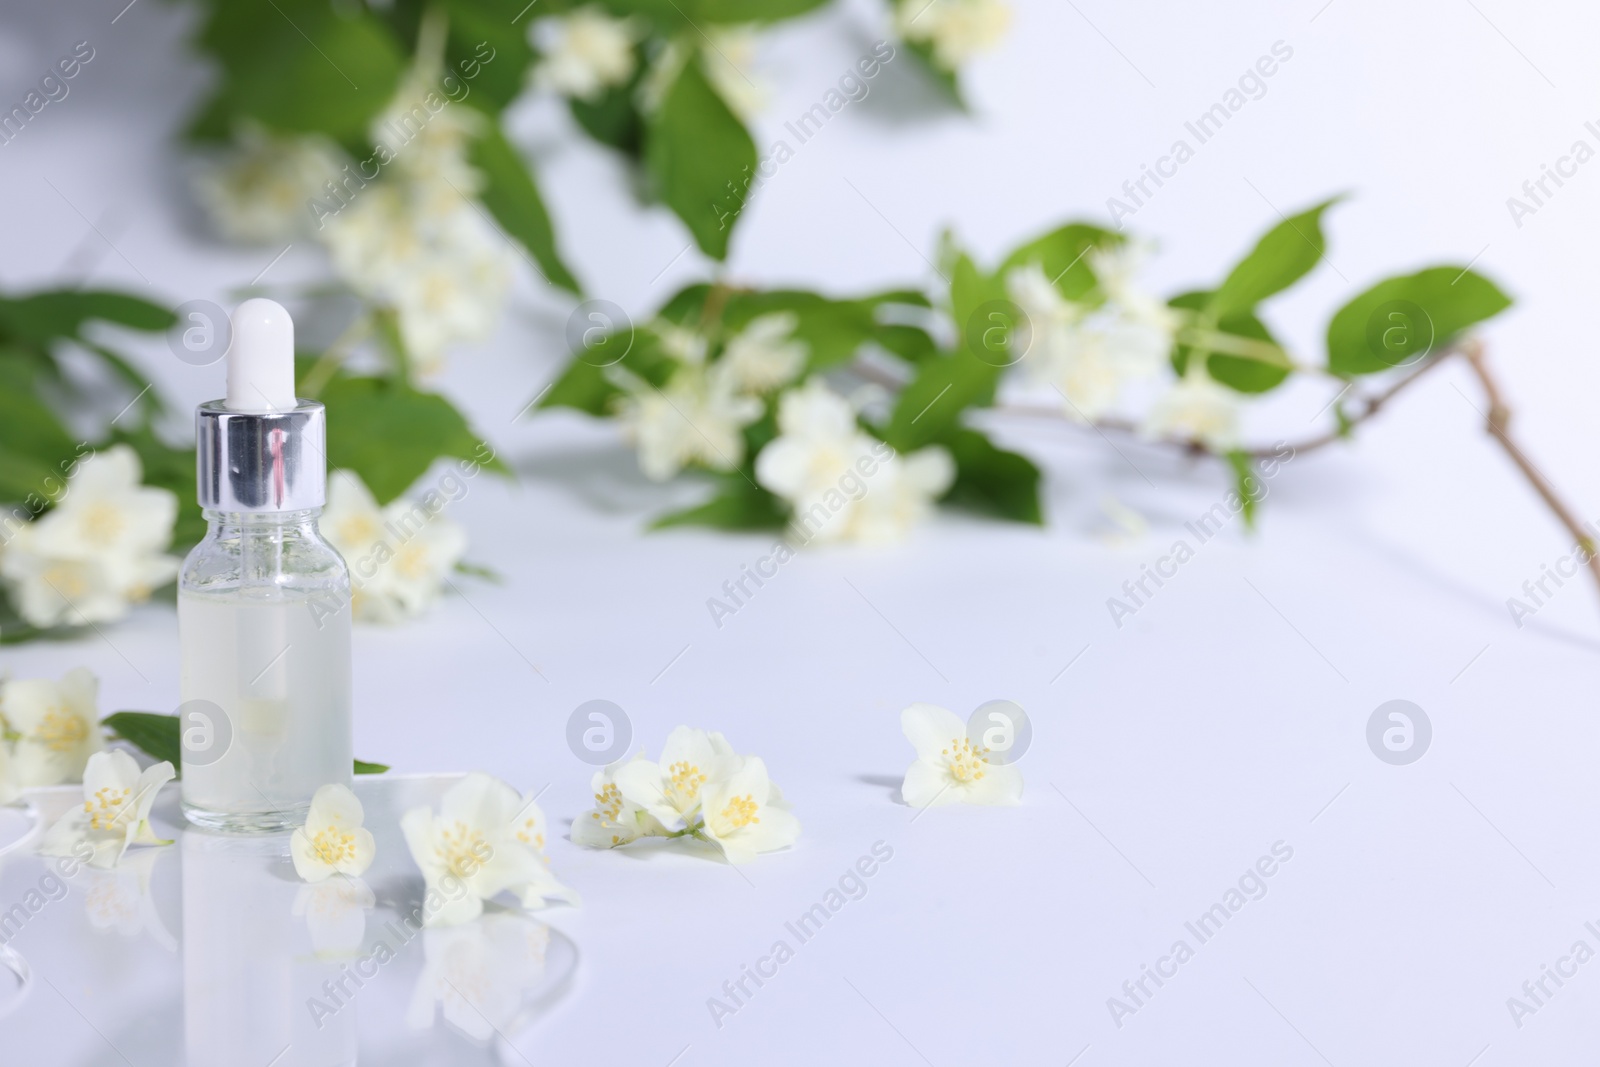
157,737
747,11
512,197
43,317
945,79
1243,373
737,505
390,433
1064,255
833,330
613,118
154,735
585,383
991,480
911,343
299,66
701,158
1282,257
930,406
1400,320
1246,484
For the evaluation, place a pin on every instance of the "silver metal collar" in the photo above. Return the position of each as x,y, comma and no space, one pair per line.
261,461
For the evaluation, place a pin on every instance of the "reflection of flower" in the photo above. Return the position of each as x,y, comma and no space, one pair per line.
949,768
1196,408
336,914
57,724
484,839
615,820
260,191
119,899
98,550
585,52
332,841
115,812
479,972
765,355
392,581
843,484
956,30
1086,352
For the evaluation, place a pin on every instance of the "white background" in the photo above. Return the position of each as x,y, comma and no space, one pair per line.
1225,717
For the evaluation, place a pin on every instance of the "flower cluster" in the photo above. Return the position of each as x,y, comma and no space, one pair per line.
699,788
1091,350
483,840
51,730
584,52
402,227
842,483
399,555
99,550
699,415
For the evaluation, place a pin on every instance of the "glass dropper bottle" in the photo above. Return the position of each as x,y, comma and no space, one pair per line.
263,599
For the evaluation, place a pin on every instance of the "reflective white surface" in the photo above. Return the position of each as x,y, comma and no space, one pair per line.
211,952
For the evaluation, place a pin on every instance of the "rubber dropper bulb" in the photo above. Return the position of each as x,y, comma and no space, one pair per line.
261,358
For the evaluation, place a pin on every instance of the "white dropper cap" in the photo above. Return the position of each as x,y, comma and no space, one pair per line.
261,358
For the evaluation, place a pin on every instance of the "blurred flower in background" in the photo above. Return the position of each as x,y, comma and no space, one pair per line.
98,551
402,228
865,491
585,52
399,556
953,30
1090,352
53,726
1197,408
257,192
765,355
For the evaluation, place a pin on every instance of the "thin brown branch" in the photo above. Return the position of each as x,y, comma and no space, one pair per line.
1498,423
1365,407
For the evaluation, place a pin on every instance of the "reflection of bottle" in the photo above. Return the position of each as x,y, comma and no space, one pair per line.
263,601
248,975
